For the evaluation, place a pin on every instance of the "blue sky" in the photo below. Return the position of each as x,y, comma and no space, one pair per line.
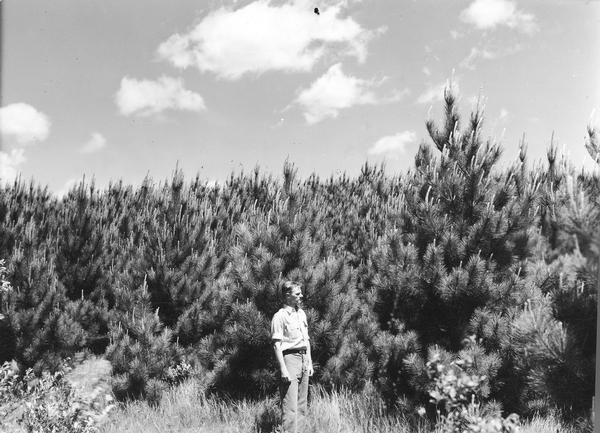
118,90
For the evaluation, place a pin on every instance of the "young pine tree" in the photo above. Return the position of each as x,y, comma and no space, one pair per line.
141,349
461,244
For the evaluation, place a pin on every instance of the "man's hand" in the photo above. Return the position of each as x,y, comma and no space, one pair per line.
310,369
285,376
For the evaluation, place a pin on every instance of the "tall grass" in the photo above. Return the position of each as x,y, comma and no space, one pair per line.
186,408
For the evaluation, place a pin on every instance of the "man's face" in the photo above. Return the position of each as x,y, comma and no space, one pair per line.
294,298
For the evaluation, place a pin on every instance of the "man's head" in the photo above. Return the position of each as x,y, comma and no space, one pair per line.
291,293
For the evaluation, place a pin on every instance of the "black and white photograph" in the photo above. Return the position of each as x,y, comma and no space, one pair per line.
294,216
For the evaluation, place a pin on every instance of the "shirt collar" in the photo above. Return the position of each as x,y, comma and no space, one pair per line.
289,309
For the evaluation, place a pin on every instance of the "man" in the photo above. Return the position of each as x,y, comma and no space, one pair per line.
289,332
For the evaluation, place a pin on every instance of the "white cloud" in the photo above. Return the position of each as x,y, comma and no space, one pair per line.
435,92
426,71
22,124
262,36
335,91
503,114
147,97
9,164
393,144
94,144
489,14
487,53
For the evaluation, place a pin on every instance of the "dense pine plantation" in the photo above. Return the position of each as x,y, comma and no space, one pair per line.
457,258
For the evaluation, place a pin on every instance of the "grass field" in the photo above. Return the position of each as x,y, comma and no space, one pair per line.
186,409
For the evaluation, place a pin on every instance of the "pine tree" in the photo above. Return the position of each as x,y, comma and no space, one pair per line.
557,333
81,259
461,244
141,349
38,315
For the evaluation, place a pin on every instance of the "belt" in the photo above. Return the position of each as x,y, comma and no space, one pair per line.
301,350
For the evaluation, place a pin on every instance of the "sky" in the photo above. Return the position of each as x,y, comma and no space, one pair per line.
120,90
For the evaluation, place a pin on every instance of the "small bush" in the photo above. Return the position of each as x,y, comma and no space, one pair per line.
51,404
178,373
457,394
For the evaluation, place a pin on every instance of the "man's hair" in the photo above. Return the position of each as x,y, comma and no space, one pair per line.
287,286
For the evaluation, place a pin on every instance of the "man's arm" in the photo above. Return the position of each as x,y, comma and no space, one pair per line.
308,354
277,336
285,376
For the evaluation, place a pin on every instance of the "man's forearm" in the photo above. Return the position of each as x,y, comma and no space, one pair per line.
279,356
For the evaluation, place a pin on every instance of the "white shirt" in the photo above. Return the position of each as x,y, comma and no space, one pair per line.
290,327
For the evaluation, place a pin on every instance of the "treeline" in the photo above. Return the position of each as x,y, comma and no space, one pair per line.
457,258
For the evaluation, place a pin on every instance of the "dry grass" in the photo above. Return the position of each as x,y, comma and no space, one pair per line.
186,409
552,424
91,374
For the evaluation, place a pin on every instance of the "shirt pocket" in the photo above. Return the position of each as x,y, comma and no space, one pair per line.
294,332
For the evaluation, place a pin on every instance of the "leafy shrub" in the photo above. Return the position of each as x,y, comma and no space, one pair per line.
178,373
51,403
457,394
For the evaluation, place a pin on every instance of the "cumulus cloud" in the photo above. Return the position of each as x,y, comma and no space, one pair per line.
335,91
393,145
147,97
263,36
489,14
22,124
9,164
94,144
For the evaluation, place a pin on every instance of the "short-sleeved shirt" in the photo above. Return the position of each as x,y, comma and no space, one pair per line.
290,327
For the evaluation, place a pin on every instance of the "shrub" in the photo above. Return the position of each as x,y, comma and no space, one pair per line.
51,404
457,394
